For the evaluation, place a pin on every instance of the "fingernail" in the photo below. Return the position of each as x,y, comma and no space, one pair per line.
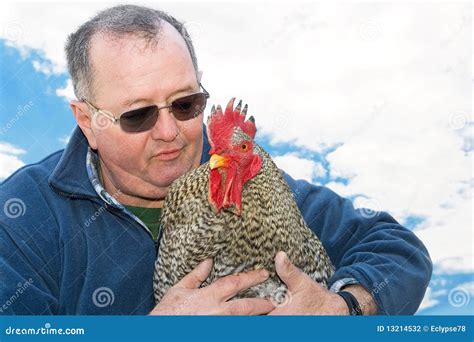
264,273
207,262
284,258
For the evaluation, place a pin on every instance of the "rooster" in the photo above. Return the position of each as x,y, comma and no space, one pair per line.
237,209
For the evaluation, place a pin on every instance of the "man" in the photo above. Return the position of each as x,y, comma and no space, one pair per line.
85,241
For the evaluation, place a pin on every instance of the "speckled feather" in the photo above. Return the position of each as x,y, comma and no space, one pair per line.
270,221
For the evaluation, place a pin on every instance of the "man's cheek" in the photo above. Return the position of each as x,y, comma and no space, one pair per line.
123,156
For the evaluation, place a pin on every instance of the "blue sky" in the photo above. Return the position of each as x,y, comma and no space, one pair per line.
47,118
383,118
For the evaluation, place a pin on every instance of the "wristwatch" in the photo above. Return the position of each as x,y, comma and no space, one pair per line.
352,303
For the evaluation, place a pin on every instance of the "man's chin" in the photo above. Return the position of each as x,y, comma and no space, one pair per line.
164,178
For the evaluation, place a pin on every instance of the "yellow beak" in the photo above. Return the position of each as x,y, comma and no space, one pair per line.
217,161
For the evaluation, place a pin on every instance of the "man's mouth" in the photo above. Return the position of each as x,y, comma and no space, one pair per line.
170,154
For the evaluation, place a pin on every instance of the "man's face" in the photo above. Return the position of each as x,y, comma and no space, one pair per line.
127,75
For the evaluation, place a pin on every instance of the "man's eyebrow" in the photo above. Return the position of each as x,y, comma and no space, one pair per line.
130,102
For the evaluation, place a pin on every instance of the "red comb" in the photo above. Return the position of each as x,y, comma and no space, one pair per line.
220,126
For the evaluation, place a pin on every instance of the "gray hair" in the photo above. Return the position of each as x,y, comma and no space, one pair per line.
119,21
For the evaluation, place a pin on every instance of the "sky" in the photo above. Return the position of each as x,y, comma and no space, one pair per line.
372,100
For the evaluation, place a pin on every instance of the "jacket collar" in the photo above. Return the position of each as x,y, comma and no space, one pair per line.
70,174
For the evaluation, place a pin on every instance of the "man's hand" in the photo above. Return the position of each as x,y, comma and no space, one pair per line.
186,298
307,297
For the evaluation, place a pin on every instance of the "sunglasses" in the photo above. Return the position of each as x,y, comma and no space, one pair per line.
143,119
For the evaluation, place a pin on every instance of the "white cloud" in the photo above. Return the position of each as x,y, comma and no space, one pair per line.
429,300
67,92
43,67
9,159
43,27
64,139
299,168
448,236
468,286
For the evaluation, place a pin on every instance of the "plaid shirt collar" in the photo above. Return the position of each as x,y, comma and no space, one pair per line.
92,164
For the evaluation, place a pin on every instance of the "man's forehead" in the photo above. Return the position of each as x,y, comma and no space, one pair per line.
125,59
137,41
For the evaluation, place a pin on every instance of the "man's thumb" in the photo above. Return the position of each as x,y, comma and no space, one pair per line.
289,273
196,277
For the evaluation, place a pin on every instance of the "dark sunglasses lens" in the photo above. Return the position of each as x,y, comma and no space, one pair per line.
139,120
188,107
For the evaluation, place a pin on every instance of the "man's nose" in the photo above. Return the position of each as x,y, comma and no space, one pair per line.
166,127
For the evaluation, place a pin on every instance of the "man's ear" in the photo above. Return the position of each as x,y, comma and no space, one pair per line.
199,75
83,119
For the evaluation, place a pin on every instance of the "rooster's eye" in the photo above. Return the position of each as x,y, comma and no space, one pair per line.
244,147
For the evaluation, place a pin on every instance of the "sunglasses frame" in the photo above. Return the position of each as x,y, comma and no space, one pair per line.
116,120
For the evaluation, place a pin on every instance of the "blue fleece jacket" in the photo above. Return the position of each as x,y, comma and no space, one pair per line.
63,250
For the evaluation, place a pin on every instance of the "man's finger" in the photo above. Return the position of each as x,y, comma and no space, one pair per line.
249,306
291,275
227,287
196,277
